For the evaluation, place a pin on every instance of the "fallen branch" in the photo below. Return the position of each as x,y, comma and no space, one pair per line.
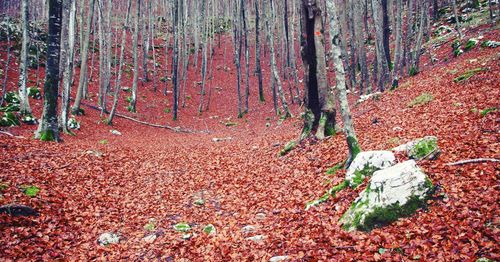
18,210
476,160
175,129
6,133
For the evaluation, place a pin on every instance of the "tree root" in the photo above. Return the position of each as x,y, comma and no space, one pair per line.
476,160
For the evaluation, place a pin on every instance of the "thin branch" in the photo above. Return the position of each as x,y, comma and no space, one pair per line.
476,160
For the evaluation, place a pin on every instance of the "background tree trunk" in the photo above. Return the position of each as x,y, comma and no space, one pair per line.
24,104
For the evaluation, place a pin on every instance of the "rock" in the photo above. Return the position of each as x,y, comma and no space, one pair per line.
260,216
392,193
150,238
257,238
115,132
108,238
363,98
216,139
421,148
397,129
366,163
248,229
182,227
278,258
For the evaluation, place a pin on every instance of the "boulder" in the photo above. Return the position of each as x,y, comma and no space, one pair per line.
115,132
366,163
422,148
392,193
278,258
108,238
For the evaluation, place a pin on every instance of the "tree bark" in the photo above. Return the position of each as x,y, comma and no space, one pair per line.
133,101
382,65
48,129
120,66
352,141
84,58
68,72
365,85
24,106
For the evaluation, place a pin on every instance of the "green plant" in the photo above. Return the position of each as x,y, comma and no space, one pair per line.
486,111
103,142
34,92
30,191
9,119
167,110
468,74
424,148
182,227
421,100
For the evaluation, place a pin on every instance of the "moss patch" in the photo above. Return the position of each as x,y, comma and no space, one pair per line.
423,148
422,99
465,76
288,147
30,191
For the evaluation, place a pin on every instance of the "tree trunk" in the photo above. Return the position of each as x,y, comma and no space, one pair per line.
175,59
352,141
420,35
24,106
133,101
258,67
365,85
247,56
320,113
68,72
382,65
120,66
274,67
398,42
48,130
457,19
84,66
7,63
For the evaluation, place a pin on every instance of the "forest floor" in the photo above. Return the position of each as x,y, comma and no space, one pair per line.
97,182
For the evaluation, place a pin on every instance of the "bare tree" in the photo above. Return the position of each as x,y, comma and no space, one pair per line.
133,101
48,129
69,44
24,106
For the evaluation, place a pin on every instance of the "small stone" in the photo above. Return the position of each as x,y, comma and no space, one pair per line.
210,229
199,202
108,238
115,132
278,258
150,238
260,216
182,227
397,129
248,229
257,238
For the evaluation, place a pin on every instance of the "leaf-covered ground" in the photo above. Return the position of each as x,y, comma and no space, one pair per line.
98,182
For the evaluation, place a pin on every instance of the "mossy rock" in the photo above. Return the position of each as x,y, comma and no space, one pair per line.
468,74
386,199
34,92
425,148
366,163
9,119
420,100
12,98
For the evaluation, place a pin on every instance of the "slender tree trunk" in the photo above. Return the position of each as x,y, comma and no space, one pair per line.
175,59
352,141
145,44
247,56
399,44
135,56
48,129
68,72
204,39
386,30
84,66
258,68
382,65
274,67
237,53
365,85
420,35
24,106
120,66
457,19
7,63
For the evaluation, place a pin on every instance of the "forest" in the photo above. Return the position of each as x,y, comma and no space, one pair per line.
249,130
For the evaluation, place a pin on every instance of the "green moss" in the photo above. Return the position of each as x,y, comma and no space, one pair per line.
167,110
30,191
354,148
182,227
331,192
10,108
471,43
383,216
12,98
308,124
9,119
103,142
423,148
3,186
359,176
333,170
288,147
228,124
34,92
468,74
422,99
491,44
209,229
47,135
412,71
486,111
